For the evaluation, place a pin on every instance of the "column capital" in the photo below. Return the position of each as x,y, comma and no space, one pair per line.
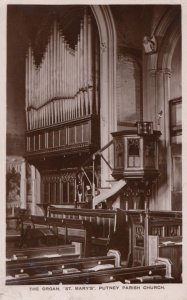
167,72
103,47
155,72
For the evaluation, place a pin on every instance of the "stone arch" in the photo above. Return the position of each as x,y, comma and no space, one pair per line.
168,47
108,119
161,31
167,33
164,62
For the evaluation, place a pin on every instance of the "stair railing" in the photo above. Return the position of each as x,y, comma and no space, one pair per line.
92,157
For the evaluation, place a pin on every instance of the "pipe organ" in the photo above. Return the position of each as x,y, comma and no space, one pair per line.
63,86
62,105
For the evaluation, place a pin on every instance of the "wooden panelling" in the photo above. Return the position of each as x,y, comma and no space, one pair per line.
50,139
86,132
71,135
174,253
79,134
58,193
31,143
135,155
37,142
42,140
64,138
56,138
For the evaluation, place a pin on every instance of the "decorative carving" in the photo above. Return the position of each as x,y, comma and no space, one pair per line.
103,46
157,230
14,163
139,235
13,184
133,147
172,230
159,116
64,177
133,153
119,145
13,187
150,45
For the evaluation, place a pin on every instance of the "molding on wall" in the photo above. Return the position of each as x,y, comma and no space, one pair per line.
157,86
108,121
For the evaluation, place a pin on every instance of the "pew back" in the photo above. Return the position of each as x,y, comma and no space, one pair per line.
87,276
28,254
167,227
72,230
103,221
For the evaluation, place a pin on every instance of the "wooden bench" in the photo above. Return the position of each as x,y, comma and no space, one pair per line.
91,275
61,231
57,264
27,254
168,227
164,230
102,221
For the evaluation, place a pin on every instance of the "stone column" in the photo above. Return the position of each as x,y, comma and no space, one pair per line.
164,184
108,113
108,120
149,112
23,203
149,98
155,101
33,189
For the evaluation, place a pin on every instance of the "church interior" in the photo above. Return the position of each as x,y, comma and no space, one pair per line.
94,144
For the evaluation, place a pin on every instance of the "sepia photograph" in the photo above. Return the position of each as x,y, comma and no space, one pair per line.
93,146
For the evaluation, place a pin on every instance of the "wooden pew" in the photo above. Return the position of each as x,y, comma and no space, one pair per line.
62,231
58,265
168,227
102,221
132,228
17,255
36,232
13,231
162,227
156,273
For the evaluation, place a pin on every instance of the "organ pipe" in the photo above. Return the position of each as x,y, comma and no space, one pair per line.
62,86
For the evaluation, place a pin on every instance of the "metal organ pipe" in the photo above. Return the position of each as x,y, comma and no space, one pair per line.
61,88
90,67
26,90
85,51
96,84
78,78
81,68
32,86
85,63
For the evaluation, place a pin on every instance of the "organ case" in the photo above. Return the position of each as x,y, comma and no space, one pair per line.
62,108
62,92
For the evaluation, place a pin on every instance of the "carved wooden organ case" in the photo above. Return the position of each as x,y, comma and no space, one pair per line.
62,105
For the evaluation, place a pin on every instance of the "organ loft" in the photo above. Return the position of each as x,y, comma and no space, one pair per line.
94,144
